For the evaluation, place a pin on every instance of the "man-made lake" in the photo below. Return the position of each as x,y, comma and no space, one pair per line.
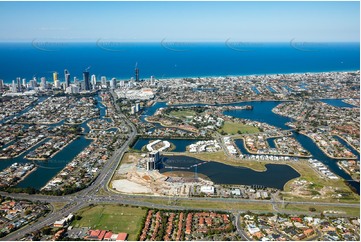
275,176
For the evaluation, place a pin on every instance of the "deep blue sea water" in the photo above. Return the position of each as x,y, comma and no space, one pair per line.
164,60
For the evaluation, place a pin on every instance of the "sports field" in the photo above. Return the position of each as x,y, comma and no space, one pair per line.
112,217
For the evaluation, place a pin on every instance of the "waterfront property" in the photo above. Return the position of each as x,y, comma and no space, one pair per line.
14,174
10,106
59,143
86,166
262,111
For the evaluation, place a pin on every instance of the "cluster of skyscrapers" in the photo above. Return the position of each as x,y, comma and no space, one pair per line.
88,83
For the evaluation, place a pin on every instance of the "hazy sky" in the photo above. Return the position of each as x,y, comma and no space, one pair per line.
188,21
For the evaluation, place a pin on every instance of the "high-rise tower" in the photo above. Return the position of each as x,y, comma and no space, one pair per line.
67,78
55,76
136,74
86,80
18,83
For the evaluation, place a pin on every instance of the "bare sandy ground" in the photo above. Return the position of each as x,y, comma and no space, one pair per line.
124,169
129,187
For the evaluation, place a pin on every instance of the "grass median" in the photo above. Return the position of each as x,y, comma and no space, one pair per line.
198,204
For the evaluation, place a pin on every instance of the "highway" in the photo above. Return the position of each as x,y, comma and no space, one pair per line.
88,196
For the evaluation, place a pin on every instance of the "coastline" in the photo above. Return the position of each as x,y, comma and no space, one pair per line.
235,75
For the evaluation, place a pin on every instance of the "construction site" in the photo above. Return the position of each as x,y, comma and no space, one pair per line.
138,174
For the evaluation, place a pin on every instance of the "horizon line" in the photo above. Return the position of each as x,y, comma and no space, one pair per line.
171,41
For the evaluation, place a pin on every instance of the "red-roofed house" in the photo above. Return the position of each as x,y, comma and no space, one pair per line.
308,232
96,234
108,236
201,221
296,219
93,235
122,237
102,234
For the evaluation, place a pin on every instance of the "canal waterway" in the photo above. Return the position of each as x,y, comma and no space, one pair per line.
337,103
46,170
262,112
40,99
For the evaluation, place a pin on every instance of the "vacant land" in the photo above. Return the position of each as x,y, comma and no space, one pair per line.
182,113
234,128
112,217
130,157
319,183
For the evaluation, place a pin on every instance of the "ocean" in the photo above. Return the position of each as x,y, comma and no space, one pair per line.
173,59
